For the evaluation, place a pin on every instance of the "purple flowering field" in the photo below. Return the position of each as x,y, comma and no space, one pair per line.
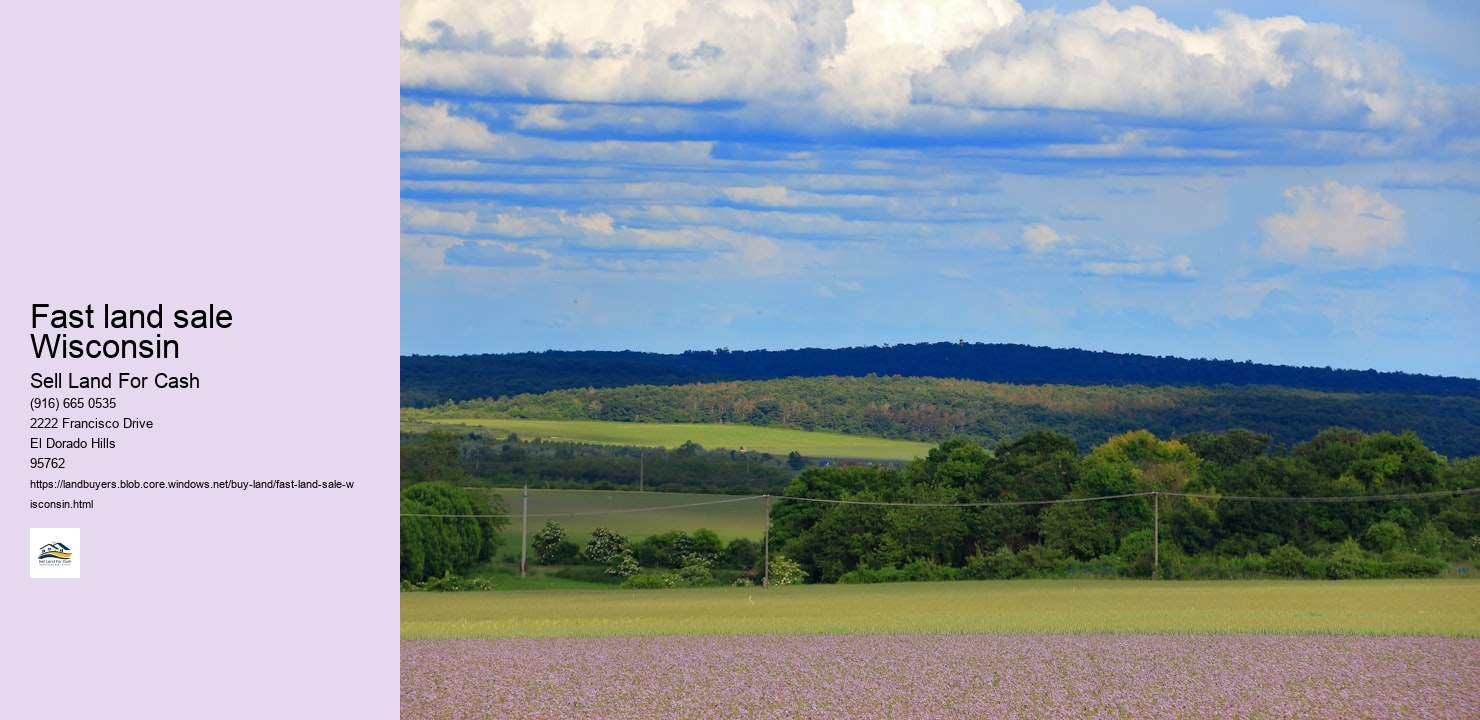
943,676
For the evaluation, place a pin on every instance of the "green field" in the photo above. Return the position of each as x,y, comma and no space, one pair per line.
1367,607
636,515
776,441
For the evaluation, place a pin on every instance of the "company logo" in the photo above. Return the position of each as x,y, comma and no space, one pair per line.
56,551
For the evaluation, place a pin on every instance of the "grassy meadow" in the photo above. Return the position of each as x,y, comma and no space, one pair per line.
1361,607
776,441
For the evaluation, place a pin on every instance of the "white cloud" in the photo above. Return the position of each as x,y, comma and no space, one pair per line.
1178,267
596,222
774,195
911,67
889,42
593,50
1042,238
432,127
425,218
1334,223
541,117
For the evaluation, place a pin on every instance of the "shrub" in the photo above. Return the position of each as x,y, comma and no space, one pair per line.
785,571
999,565
694,573
1346,561
741,554
551,546
1286,561
604,545
622,565
1384,536
1041,561
922,569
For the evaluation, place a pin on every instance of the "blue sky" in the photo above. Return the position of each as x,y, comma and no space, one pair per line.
1291,183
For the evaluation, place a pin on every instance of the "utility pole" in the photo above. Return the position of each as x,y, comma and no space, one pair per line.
641,464
1155,535
524,535
766,573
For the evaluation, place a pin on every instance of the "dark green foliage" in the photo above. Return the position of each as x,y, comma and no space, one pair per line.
432,457
741,554
433,544
1110,529
675,548
1384,537
1001,564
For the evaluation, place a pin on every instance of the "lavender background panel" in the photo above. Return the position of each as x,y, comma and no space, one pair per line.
186,154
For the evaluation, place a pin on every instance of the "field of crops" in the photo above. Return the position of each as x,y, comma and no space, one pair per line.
943,676
1368,607
776,441
1004,649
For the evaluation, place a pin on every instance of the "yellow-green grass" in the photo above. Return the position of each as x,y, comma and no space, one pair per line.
1366,607
633,514
776,441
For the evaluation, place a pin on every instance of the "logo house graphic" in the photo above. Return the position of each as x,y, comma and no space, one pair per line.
54,553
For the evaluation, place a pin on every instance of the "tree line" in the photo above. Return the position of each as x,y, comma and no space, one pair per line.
513,462
1204,529
905,525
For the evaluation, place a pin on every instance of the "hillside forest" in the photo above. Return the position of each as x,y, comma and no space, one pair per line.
936,409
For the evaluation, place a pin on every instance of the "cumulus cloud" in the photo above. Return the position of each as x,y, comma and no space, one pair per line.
1334,223
1042,238
1131,61
908,67
593,50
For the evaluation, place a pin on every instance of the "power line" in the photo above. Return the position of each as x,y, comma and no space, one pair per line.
1330,499
1003,503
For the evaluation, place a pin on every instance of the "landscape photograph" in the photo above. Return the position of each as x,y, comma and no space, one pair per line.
973,358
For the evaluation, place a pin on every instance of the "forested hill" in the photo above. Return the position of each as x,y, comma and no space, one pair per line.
432,379
932,409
